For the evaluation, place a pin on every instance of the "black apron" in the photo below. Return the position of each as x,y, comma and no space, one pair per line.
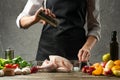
69,36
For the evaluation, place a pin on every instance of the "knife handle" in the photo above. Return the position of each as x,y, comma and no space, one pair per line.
83,64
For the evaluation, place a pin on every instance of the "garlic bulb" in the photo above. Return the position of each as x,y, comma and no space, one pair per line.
18,71
1,73
26,70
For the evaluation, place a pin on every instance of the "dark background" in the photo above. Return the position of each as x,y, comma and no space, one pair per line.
25,42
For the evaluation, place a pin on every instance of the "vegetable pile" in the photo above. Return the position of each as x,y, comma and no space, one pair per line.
16,66
16,61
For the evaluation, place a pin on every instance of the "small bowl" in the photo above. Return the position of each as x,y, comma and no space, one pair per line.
9,71
76,65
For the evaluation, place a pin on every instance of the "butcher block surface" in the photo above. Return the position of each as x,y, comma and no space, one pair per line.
58,76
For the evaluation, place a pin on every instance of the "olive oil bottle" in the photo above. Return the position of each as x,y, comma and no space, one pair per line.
114,46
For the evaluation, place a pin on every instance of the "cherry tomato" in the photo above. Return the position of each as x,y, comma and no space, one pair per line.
15,65
8,65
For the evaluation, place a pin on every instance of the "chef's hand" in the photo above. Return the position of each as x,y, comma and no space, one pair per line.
84,54
46,11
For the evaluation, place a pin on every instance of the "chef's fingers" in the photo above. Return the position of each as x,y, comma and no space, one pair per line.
80,55
38,11
85,55
49,13
43,22
36,15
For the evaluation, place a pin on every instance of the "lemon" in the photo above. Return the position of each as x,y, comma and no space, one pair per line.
116,73
106,57
109,64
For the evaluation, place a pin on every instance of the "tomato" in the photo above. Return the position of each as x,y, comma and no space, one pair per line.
15,65
8,65
11,65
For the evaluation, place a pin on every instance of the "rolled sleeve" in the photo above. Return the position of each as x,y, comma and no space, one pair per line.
93,19
19,17
30,8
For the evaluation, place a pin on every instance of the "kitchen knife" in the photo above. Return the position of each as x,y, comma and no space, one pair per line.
82,64
88,63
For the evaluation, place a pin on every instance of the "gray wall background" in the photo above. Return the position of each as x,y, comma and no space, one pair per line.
25,42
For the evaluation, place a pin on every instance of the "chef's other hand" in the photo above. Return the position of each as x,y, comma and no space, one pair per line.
84,55
46,11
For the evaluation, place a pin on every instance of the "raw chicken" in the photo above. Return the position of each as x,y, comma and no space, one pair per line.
56,63
47,66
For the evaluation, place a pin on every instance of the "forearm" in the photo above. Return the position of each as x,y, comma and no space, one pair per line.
27,21
84,52
91,40
94,30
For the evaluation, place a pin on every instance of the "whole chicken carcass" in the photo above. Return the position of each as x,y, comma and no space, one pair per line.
57,63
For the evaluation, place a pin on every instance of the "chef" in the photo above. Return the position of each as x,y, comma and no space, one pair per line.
69,38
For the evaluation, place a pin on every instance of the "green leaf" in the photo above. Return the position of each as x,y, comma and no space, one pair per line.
23,64
1,67
17,60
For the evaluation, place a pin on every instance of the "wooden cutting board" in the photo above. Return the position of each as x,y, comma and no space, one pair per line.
58,76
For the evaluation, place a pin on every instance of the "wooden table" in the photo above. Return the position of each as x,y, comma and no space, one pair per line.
58,76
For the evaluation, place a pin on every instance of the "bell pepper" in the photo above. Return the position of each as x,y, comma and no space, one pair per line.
5,61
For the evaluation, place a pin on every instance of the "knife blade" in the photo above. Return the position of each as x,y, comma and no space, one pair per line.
88,63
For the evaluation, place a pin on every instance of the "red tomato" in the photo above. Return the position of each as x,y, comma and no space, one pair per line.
8,65
15,65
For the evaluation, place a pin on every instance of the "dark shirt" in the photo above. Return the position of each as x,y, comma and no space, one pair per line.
69,36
